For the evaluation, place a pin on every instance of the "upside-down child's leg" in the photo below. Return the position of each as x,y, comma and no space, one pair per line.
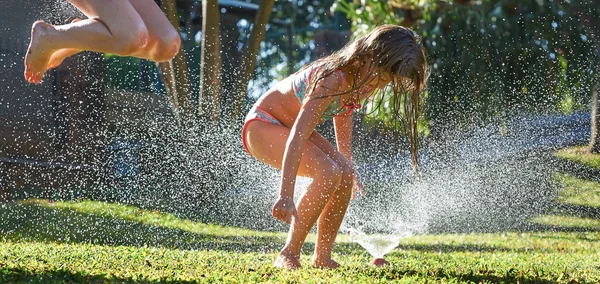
163,40
112,27
59,56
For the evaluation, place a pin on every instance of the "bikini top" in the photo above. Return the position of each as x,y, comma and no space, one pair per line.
337,106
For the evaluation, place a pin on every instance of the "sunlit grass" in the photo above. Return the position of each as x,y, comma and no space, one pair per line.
578,191
148,217
579,154
575,191
568,221
90,241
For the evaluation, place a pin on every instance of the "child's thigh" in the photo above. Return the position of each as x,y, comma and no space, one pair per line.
267,142
117,15
328,148
154,18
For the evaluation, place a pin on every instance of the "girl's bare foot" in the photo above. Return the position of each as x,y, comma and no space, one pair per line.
57,57
325,263
38,53
287,262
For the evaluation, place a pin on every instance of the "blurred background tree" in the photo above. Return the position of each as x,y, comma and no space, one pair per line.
493,59
490,60
290,40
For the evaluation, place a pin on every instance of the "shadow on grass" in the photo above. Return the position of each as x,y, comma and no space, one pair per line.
537,227
576,169
65,276
32,221
580,211
351,248
512,276
393,274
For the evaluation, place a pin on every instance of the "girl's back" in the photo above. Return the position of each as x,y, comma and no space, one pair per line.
284,100
281,102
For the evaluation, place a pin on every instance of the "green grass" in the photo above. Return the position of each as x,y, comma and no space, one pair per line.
578,200
579,155
97,242
578,191
568,221
89,241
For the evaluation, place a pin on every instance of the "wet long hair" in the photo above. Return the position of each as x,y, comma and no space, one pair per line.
388,49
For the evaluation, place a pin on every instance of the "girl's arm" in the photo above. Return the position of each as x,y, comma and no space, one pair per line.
343,135
308,118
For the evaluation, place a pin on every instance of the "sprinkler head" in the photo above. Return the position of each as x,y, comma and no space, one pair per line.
379,262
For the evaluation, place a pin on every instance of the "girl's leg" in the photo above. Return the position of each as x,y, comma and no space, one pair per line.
59,56
333,214
163,40
112,27
316,164
329,223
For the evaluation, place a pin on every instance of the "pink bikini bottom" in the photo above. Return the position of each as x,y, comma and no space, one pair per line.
256,113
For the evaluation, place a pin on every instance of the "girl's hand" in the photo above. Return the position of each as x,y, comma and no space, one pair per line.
285,210
357,186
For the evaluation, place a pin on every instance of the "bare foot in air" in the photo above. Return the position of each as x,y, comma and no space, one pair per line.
59,56
287,262
325,263
38,53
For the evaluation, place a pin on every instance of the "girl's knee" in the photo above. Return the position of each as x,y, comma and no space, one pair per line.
174,43
332,177
347,179
165,47
132,41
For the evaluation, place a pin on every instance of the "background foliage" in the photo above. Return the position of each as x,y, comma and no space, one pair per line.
493,59
490,60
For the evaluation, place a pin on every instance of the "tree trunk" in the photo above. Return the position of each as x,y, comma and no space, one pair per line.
168,77
174,73
209,106
589,17
595,134
256,36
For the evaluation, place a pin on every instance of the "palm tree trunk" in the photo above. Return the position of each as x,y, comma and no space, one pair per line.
592,24
595,134
209,106
174,73
256,36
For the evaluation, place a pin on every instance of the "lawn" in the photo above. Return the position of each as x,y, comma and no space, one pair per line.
92,241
